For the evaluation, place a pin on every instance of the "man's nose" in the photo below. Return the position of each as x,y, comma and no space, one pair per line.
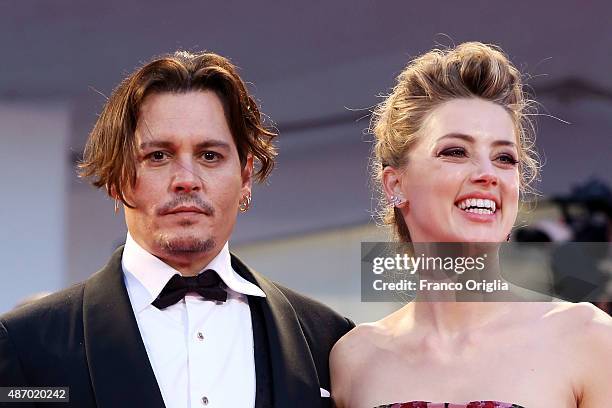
185,177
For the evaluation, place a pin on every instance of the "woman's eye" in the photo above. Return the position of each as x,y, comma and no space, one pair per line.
507,159
453,152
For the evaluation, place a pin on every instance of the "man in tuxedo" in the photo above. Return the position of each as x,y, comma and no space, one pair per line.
174,319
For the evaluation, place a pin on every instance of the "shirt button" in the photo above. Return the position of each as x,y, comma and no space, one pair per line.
204,400
200,336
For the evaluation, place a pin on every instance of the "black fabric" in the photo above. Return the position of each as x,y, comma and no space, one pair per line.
206,284
263,371
86,338
301,333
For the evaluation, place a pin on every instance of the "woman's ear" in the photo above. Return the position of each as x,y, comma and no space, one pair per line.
392,183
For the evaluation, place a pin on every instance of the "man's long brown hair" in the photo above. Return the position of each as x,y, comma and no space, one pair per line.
110,153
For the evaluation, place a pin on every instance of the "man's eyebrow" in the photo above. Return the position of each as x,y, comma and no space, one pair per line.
471,139
167,145
213,143
155,143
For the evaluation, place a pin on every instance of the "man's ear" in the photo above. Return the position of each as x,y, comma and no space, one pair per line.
247,174
112,192
392,186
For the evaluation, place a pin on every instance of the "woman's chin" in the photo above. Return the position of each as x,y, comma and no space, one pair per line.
470,227
477,238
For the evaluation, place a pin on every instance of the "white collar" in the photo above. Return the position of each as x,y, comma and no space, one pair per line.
153,274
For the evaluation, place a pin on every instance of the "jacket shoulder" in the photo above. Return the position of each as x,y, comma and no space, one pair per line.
322,327
315,314
39,340
310,312
46,314
60,307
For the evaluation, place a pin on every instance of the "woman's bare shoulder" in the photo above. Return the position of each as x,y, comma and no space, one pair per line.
580,316
585,328
350,358
591,351
362,343
566,326
592,325
361,340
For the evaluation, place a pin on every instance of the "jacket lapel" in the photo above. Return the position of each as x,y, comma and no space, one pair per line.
119,367
294,376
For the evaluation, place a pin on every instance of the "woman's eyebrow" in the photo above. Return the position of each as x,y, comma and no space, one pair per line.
467,138
471,139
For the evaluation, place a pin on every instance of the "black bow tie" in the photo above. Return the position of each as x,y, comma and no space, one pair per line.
206,284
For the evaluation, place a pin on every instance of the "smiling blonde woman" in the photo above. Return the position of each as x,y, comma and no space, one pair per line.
453,153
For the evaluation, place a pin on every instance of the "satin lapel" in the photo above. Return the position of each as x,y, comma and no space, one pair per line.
294,376
119,367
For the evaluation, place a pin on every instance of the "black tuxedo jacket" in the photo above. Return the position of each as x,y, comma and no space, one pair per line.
86,337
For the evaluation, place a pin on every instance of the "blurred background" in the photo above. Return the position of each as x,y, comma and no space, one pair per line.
316,69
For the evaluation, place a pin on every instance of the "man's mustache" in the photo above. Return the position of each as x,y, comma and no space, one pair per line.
188,200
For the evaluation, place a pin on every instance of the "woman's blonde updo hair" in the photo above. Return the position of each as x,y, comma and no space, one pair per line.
470,70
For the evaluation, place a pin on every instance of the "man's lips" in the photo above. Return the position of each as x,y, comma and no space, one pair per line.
186,210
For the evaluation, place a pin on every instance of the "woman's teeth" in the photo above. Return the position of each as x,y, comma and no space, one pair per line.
478,205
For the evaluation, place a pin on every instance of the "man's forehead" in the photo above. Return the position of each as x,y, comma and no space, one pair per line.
180,104
189,116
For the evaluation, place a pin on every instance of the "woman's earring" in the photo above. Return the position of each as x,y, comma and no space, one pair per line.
116,206
396,201
508,237
245,203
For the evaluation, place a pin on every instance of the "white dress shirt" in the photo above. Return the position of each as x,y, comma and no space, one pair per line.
201,351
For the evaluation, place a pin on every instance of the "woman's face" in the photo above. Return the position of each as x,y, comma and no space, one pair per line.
461,180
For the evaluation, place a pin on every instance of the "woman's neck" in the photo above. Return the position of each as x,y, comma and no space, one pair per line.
448,319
